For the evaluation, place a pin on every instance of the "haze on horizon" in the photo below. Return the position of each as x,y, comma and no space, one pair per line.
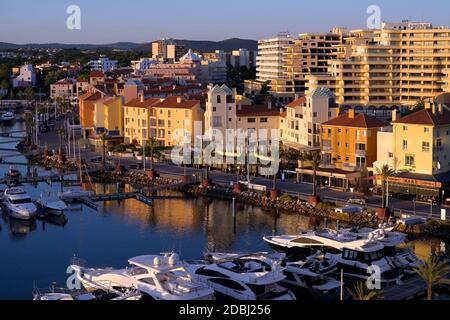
103,21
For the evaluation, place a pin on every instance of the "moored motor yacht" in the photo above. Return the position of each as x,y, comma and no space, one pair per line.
74,193
157,277
310,275
355,250
61,294
18,204
51,203
244,278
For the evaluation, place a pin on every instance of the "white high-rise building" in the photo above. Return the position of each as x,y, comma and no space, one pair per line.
103,64
270,59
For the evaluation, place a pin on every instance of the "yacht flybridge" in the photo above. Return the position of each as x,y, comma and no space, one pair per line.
157,277
244,278
355,250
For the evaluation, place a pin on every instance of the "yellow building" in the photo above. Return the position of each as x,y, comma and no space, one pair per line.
421,150
108,114
160,119
349,141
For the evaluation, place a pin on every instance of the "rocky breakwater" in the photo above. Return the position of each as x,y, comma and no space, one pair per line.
286,203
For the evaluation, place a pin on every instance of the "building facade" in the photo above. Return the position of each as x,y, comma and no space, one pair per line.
301,127
104,65
27,77
161,119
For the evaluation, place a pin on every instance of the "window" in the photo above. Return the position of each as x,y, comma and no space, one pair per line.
426,130
314,114
405,144
409,160
425,147
405,128
263,120
251,120
229,284
219,99
391,155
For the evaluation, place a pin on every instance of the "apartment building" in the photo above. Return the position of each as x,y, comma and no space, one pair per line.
87,108
108,114
225,110
349,141
270,63
308,55
419,150
143,64
301,127
397,65
160,119
104,65
64,89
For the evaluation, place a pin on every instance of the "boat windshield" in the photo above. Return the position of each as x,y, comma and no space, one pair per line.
21,201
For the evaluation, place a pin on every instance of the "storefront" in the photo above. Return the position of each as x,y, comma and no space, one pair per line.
329,177
418,186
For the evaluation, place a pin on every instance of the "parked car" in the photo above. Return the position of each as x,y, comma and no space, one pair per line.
358,201
45,129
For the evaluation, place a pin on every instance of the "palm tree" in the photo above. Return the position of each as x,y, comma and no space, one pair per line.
384,172
433,272
29,124
315,160
61,134
360,291
104,137
155,150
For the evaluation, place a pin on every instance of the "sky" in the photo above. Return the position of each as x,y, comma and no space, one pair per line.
108,21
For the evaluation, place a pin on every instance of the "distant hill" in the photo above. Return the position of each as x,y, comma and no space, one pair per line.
203,46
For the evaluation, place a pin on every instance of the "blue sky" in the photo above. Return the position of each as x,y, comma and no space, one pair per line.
106,21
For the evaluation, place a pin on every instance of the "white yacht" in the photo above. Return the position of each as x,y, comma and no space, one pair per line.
332,241
244,278
355,251
74,193
18,204
51,203
56,294
157,277
310,275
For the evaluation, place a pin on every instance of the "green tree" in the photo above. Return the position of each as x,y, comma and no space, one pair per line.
29,93
61,134
433,272
29,125
360,291
154,150
105,138
314,158
385,172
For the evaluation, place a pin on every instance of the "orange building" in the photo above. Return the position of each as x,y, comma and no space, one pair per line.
349,141
87,108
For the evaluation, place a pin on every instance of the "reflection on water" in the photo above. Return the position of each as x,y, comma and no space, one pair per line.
39,251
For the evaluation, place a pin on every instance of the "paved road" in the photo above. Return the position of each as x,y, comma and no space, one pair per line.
288,186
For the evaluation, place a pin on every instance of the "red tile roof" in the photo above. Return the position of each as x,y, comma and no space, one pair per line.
136,103
257,110
296,103
111,100
359,121
177,102
426,117
91,96
96,74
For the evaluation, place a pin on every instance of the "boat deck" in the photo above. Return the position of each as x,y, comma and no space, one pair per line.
411,288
